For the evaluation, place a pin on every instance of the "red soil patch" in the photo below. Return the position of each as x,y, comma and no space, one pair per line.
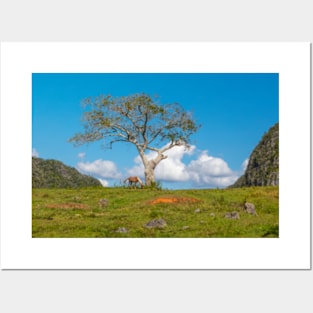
173,200
68,206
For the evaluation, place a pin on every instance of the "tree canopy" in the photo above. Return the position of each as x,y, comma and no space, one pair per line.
138,119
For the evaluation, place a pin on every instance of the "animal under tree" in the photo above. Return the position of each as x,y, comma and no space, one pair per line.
140,120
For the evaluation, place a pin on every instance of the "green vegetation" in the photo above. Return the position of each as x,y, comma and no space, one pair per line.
55,174
76,213
140,120
263,167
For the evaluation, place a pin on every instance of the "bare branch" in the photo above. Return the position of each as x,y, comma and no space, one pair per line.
137,119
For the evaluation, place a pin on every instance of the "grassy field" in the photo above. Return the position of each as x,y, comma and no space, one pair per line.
76,213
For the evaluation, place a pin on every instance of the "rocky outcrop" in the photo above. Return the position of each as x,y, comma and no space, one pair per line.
263,166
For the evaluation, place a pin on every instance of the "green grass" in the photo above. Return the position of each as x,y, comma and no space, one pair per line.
75,213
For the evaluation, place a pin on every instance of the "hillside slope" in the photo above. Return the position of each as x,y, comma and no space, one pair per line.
263,166
55,174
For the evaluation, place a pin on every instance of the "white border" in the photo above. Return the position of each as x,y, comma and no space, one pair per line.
290,251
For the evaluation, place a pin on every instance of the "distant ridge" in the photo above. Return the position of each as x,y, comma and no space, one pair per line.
263,166
55,174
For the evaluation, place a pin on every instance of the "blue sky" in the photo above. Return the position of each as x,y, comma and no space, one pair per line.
235,110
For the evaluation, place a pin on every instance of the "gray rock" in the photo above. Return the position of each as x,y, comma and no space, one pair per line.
122,230
250,208
233,215
212,214
157,223
197,211
185,227
103,203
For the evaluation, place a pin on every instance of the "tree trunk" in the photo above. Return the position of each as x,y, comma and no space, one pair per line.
150,166
149,175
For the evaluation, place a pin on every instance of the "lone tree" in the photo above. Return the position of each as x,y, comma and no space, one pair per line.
140,120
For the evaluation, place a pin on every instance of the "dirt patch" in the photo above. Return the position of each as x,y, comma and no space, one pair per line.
173,200
68,206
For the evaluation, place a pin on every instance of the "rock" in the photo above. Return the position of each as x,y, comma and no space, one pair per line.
233,215
197,211
122,230
263,165
250,208
185,227
212,214
157,223
103,203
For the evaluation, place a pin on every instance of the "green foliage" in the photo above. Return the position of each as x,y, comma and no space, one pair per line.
156,185
138,119
75,213
263,167
54,174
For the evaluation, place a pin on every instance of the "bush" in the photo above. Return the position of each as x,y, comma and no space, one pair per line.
157,185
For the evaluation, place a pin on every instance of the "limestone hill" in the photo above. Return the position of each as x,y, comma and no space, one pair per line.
263,166
55,174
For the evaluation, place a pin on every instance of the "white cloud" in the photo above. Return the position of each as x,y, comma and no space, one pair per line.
104,182
35,153
137,169
205,170
170,169
211,171
173,168
81,155
245,164
100,168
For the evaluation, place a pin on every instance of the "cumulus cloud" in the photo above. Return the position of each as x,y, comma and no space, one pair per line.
208,170
170,169
35,153
104,182
173,168
101,169
209,165
245,164
203,171
138,168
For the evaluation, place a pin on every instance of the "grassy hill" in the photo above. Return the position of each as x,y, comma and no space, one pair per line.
55,174
76,213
